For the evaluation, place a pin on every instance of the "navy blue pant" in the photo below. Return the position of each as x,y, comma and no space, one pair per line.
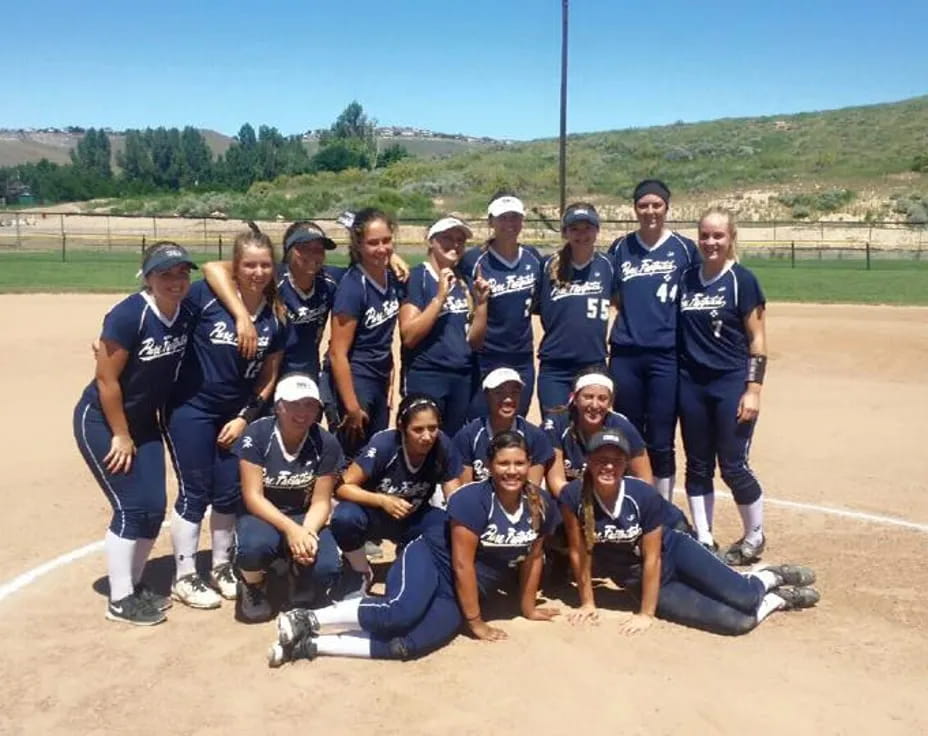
556,381
372,396
329,402
206,473
521,363
138,497
419,612
646,392
353,524
703,592
710,427
450,389
258,544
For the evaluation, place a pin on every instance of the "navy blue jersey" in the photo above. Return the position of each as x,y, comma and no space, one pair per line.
374,309
445,346
712,334
568,440
307,313
513,293
576,314
639,509
473,440
647,284
388,470
214,376
504,539
155,345
289,479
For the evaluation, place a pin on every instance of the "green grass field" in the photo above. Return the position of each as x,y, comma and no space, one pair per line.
900,282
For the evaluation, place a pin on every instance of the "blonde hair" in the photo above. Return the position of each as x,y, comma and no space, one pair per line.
732,227
254,238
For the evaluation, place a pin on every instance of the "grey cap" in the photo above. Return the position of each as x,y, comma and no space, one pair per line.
609,438
580,214
166,256
307,234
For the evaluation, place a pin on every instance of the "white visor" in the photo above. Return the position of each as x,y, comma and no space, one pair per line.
498,377
448,223
502,205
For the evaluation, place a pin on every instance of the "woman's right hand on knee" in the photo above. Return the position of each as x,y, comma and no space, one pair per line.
398,508
119,458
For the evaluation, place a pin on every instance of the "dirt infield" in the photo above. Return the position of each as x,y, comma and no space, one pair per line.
842,425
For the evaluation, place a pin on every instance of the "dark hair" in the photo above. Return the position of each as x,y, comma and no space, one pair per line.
255,238
358,228
559,264
508,440
436,462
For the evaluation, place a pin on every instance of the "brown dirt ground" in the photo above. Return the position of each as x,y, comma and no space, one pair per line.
842,425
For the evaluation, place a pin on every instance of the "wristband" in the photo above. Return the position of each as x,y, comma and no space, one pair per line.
252,409
757,367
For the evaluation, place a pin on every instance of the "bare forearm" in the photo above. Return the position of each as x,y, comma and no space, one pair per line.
416,325
650,585
317,515
218,275
478,327
356,494
111,403
344,384
530,578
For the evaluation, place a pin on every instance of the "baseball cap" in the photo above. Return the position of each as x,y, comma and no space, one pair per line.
499,376
504,204
296,386
448,223
580,214
609,438
307,234
164,257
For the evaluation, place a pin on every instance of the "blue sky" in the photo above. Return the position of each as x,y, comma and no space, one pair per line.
481,67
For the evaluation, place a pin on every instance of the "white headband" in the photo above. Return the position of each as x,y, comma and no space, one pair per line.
593,379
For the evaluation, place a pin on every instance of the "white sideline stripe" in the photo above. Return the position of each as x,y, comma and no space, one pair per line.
30,576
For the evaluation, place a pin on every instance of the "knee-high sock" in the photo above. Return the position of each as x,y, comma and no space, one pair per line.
344,645
140,557
119,554
185,536
768,604
701,508
343,613
664,486
222,527
752,519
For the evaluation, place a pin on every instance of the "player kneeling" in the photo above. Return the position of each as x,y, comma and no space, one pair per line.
627,529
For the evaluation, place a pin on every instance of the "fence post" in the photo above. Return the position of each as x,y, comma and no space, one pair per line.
63,239
109,236
19,237
143,246
154,226
792,254
205,244
220,246
868,255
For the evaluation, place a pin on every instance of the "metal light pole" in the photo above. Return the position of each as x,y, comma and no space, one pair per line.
562,169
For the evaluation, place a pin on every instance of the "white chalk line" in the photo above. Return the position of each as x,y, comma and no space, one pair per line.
30,576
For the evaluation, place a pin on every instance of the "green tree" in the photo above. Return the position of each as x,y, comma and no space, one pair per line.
92,154
390,155
198,159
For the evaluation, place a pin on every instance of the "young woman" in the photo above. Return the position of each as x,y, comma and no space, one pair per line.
386,490
307,289
502,388
364,316
288,466
116,423
634,536
513,272
723,356
648,264
218,392
441,324
437,583
588,412
576,289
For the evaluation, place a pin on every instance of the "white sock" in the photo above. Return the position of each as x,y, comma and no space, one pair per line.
768,578
752,518
769,603
664,486
344,645
358,561
701,508
119,554
343,613
185,536
222,527
140,557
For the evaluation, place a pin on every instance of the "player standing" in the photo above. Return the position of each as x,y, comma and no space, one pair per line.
576,289
723,357
218,393
441,324
648,264
116,423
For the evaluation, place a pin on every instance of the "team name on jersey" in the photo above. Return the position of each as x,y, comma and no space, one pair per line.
480,472
222,335
493,536
612,534
455,305
701,302
287,479
512,284
406,489
577,288
374,317
151,349
305,315
647,268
